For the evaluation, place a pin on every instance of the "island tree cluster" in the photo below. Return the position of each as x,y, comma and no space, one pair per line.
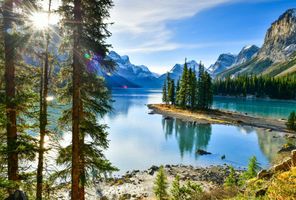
191,91
276,88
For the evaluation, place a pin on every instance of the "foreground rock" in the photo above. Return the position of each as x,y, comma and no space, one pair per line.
139,184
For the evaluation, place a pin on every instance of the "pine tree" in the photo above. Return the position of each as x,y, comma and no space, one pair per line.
201,88
208,91
44,80
291,124
85,20
192,89
164,93
230,181
161,185
183,91
176,190
10,90
171,92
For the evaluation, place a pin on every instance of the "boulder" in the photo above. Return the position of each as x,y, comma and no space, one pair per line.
287,148
261,192
152,170
17,195
284,166
293,157
167,118
202,152
264,174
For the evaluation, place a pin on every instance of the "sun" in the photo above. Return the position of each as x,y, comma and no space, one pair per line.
40,19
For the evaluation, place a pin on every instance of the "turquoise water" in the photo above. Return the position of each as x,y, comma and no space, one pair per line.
259,107
139,140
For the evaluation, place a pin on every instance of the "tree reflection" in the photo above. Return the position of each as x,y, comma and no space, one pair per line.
190,136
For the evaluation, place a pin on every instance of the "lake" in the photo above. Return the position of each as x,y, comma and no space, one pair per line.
139,140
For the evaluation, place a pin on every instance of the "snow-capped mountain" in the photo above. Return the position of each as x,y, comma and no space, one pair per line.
227,61
246,54
136,75
176,71
223,62
277,56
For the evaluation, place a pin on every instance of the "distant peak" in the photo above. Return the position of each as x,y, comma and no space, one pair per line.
289,13
247,47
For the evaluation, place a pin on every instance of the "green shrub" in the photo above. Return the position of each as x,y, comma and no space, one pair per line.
231,180
252,170
291,124
161,185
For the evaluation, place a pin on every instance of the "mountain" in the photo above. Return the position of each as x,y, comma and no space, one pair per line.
227,61
277,54
223,62
246,54
128,74
176,71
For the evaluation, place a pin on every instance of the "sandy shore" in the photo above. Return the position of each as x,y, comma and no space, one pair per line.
220,117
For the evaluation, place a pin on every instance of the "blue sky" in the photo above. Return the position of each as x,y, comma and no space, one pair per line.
160,33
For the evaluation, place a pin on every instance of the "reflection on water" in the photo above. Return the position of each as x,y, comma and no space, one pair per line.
139,140
190,136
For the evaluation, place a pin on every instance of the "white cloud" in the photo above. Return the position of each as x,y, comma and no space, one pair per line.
145,22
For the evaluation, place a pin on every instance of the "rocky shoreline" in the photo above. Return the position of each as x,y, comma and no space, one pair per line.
220,117
139,184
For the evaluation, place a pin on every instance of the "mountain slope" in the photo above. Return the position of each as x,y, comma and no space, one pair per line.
223,62
277,52
227,61
128,74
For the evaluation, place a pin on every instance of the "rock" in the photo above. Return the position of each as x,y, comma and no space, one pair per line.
223,157
152,170
151,113
284,166
202,152
290,136
261,192
287,148
17,195
125,197
167,118
293,157
264,174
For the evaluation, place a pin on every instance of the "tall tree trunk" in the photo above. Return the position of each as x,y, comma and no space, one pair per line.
9,48
43,111
82,171
76,103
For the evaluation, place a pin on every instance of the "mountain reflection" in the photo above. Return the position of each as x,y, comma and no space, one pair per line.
190,136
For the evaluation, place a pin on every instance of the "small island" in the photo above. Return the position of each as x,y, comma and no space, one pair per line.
219,117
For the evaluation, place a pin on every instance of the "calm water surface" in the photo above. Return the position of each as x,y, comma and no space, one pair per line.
139,140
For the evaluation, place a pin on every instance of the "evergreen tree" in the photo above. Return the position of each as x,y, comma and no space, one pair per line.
208,91
43,121
192,89
161,185
183,91
171,92
201,88
85,24
230,181
164,93
291,124
251,172
10,90
176,190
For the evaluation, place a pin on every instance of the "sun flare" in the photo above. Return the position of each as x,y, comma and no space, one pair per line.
40,19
